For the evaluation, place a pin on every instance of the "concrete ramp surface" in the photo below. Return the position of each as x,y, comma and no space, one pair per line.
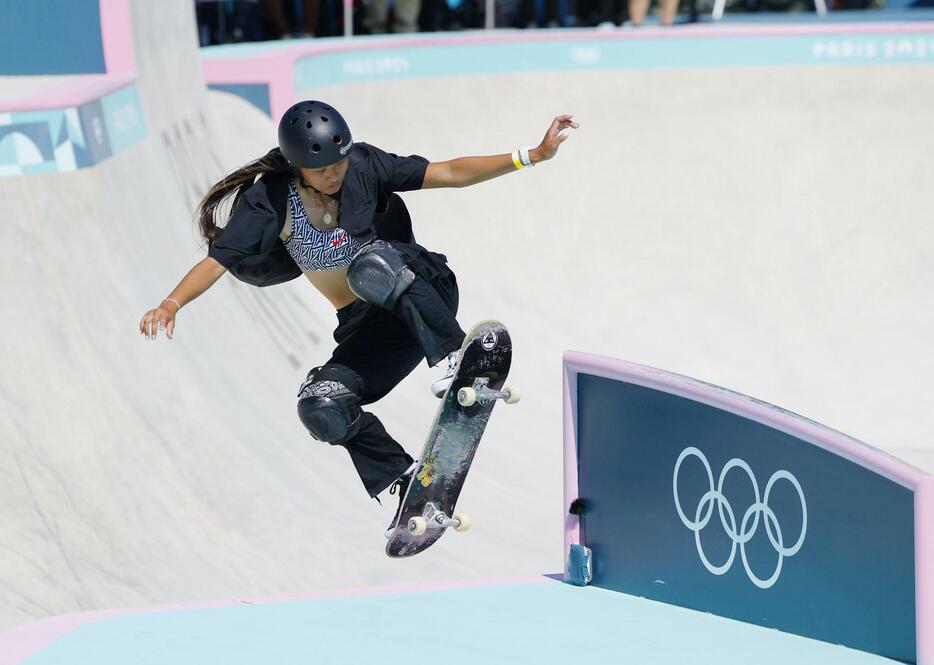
757,217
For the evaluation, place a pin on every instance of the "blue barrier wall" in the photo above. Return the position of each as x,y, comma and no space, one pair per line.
691,505
255,93
50,37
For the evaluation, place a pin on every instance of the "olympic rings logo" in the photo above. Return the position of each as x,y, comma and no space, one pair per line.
750,523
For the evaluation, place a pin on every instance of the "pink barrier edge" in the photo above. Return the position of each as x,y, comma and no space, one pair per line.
276,68
836,442
27,639
921,483
70,94
924,569
117,36
572,534
501,36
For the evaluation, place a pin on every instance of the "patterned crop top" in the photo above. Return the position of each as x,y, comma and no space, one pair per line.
312,248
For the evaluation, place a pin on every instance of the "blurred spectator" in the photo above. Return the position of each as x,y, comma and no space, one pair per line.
404,15
639,8
225,21
545,14
602,13
305,25
437,15
222,21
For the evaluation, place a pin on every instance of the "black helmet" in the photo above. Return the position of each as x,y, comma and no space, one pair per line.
313,135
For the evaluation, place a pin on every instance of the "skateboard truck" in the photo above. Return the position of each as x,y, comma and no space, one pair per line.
435,518
480,393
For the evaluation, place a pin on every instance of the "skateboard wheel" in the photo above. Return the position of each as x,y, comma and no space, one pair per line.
463,521
417,526
466,396
514,394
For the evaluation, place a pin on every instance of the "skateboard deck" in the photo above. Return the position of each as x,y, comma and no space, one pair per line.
453,439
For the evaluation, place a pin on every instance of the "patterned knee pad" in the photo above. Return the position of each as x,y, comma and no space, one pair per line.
329,403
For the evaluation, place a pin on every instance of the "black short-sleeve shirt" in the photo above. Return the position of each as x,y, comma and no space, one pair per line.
250,247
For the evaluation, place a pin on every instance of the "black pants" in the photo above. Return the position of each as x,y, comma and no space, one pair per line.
383,347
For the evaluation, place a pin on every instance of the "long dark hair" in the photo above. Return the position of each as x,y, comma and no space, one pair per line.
235,183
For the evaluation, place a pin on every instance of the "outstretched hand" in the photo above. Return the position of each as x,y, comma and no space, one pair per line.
557,134
160,318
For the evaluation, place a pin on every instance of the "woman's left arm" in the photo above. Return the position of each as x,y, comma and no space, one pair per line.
466,171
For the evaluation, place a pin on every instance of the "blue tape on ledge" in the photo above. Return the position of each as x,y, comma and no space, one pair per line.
580,566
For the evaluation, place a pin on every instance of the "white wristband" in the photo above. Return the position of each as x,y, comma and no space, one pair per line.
524,156
516,161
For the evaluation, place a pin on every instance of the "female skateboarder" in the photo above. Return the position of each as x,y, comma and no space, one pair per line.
323,206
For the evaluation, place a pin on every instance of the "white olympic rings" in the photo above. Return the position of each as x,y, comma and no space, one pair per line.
728,518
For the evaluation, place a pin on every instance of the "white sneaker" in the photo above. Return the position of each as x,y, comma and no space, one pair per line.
439,387
400,486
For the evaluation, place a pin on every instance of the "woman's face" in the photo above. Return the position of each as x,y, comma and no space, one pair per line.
327,180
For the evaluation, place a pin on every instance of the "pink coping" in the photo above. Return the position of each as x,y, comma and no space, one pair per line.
572,534
117,36
276,68
924,569
510,36
836,442
70,94
23,641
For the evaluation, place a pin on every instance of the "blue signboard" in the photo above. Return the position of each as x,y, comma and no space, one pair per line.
50,37
255,93
695,506
61,140
452,59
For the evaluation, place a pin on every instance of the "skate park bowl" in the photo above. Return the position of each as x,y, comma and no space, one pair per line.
836,559
746,203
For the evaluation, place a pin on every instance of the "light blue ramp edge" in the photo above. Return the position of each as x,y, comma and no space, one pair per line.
66,139
542,623
692,52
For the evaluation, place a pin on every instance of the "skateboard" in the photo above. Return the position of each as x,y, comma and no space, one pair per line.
427,509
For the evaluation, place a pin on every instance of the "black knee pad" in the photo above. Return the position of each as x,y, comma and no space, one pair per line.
379,275
329,403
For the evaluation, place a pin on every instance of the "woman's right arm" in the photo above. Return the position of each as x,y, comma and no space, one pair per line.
198,280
